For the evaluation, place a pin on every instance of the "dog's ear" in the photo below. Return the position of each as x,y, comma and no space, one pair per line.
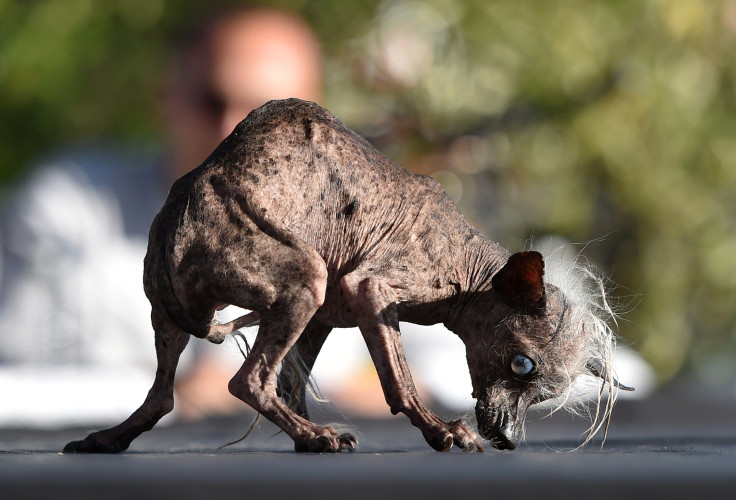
520,283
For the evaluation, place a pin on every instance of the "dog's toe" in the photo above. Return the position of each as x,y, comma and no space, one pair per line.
347,442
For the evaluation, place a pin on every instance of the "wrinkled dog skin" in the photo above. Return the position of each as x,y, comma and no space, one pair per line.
303,222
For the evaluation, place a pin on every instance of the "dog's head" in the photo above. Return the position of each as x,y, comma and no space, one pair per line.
527,342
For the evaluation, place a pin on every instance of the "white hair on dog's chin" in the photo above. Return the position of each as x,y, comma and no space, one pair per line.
586,290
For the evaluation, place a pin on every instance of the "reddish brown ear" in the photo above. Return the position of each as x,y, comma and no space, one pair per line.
520,282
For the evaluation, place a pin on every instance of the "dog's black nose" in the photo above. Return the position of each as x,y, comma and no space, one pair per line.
499,427
501,441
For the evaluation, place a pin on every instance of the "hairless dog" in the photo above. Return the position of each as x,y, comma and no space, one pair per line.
301,221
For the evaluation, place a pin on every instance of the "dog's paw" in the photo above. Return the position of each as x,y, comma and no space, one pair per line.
329,443
91,444
442,437
347,442
463,437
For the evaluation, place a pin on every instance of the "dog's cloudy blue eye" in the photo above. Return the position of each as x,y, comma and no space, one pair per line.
521,365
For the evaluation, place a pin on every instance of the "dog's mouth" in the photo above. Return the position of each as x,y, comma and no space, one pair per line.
502,427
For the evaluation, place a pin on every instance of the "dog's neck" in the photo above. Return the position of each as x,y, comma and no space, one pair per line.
481,259
464,291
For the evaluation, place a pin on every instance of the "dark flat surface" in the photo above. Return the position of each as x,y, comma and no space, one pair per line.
677,444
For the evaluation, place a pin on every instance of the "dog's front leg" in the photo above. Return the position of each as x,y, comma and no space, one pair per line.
374,306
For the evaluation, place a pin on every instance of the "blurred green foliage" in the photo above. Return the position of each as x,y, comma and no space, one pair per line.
609,120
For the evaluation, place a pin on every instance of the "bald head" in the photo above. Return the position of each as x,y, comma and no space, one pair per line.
237,63
262,56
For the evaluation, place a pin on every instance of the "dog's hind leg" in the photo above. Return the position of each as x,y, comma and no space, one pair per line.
170,342
301,285
293,379
255,384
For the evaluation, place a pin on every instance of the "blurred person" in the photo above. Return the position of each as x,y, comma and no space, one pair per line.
76,343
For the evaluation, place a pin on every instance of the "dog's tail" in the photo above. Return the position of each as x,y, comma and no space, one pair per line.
218,331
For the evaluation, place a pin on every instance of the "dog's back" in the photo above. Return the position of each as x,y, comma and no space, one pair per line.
293,172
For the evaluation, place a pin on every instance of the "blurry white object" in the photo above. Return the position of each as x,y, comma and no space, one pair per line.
435,355
56,397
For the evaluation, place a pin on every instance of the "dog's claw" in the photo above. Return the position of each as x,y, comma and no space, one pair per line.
326,444
347,442
447,445
474,445
441,440
454,433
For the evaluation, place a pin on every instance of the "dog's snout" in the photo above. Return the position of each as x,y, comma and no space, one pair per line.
503,440
498,426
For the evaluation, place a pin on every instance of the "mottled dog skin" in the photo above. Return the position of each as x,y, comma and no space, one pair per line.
300,220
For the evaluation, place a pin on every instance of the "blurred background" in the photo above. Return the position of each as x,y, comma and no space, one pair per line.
603,122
